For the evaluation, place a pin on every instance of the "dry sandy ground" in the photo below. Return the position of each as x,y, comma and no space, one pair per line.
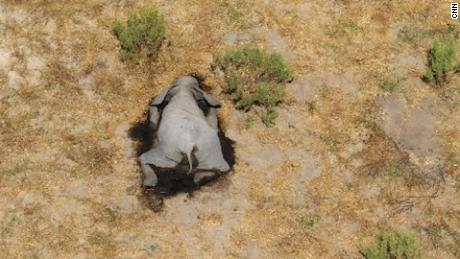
344,160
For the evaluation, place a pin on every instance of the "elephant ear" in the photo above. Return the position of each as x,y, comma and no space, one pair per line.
154,116
211,101
156,105
159,99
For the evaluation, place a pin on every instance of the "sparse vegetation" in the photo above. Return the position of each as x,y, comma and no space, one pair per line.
68,174
234,14
389,84
454,159
343,27
409,34
253,77
347,25
325,90
394,245
249,122
311,106
402,169
443,237
268,95
414,34
309,223
144,31
440,62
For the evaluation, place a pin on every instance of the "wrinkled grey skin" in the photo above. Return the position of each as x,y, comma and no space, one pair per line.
184,128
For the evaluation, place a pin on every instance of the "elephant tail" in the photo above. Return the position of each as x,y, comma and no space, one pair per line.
190,159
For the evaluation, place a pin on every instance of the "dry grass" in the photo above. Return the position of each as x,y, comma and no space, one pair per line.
320,183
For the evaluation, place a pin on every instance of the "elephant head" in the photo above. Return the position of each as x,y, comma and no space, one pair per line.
184,85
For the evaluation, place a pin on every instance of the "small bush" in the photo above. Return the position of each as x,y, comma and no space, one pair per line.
144,30
440,62
393,245
253,77
389,84
266,94
276,70
246,56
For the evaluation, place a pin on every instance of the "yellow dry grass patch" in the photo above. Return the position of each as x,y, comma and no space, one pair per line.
69,180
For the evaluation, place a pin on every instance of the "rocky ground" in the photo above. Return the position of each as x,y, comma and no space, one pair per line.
344,160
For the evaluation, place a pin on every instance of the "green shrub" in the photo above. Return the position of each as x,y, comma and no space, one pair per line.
246,56
393,245
144,30
268,118
266,94
253,77
440,62
249,122
276,70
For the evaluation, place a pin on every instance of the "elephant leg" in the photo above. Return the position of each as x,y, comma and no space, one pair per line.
155,157
150,178
210,157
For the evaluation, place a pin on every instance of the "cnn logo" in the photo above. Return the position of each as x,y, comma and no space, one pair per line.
454,11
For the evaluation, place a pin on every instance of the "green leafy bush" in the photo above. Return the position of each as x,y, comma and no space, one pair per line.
253,77
393,245
265,94
144,30
440,62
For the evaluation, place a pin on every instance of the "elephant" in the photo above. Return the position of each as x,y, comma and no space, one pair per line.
184,118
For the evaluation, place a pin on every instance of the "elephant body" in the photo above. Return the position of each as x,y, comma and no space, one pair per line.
185,118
